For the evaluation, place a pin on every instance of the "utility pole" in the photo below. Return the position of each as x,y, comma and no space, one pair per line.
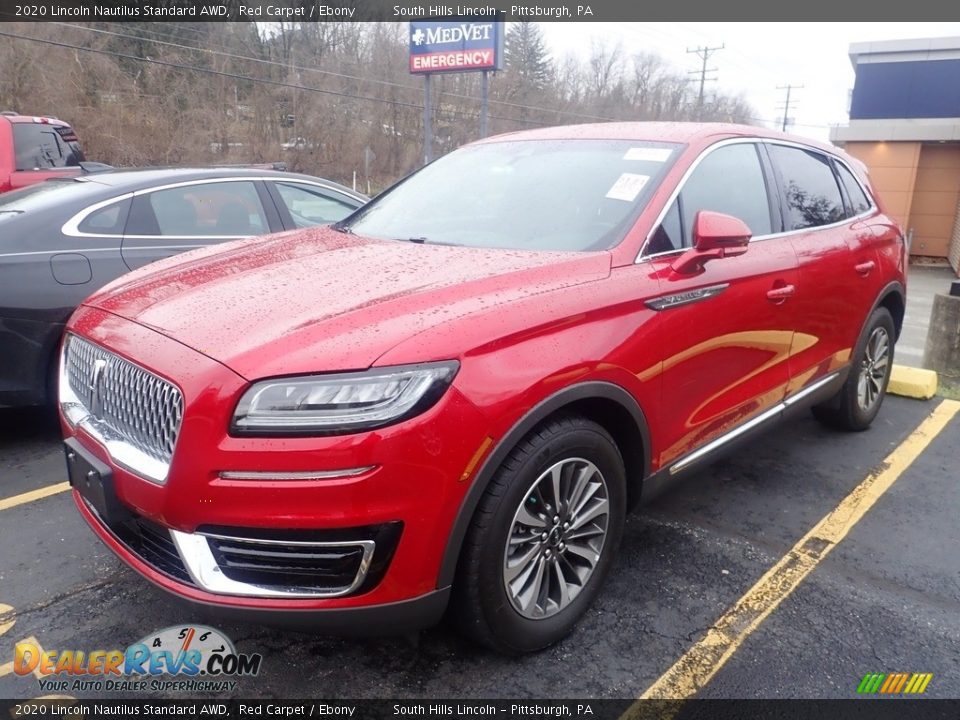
786,104
704,54
427,120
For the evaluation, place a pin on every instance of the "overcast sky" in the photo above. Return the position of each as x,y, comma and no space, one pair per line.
757,58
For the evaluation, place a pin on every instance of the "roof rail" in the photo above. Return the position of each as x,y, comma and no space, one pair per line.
279,166
94,167
9,112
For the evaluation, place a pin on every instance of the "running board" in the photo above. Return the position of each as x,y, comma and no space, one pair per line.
773,412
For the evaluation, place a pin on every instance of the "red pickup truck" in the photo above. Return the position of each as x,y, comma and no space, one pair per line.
33,149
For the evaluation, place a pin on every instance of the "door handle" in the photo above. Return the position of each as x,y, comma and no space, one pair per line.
779,294
864,268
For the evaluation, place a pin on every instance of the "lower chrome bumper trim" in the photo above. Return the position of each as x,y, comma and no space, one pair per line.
202,566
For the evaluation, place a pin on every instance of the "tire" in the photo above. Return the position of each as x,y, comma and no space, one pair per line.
857,403
521,499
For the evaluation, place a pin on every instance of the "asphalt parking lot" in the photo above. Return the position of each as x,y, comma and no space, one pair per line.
887,599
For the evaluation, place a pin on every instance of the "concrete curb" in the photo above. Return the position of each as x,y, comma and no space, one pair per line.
912,382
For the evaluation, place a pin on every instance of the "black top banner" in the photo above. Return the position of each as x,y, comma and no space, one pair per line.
502,10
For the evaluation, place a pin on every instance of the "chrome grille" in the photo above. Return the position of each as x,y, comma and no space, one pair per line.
141,408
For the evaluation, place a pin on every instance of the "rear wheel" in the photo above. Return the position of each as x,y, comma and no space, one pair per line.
857,403
543,538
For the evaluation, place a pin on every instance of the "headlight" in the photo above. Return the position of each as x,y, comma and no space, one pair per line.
341,403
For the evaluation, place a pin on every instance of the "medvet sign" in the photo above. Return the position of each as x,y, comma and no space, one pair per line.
455,46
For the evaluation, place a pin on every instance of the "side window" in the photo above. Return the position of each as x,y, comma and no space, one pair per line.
107,220
669,235
228,209
309,205
810,187
728,180
858,198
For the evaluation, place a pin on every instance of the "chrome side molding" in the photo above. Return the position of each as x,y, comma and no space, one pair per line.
717,443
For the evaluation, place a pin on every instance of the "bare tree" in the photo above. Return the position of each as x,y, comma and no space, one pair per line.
327,98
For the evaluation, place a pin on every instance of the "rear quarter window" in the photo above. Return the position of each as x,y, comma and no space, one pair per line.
859,202
109,220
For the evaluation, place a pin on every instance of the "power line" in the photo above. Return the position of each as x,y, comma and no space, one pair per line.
236,56
305,88
265,81
301,68
786,104
704,54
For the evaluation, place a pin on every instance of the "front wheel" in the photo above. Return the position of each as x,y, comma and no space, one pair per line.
543,538
857,403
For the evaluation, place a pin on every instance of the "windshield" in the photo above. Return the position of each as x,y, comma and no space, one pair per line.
39,146
572,195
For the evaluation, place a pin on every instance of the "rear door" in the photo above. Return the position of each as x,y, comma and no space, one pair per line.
829,305
726,332
175,218
874,240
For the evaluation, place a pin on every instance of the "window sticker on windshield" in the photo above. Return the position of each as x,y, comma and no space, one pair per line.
627,187
648,154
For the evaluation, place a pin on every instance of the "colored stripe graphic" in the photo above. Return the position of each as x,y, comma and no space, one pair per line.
894,683
901,683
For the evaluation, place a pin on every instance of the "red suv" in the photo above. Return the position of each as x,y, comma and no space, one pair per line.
455,395
34,149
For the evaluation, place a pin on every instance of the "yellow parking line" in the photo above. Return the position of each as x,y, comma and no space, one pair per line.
29,497
7,619
702,661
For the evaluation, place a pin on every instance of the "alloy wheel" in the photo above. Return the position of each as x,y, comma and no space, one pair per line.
873,369
556,538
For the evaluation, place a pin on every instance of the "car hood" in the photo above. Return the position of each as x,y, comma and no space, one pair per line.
319,300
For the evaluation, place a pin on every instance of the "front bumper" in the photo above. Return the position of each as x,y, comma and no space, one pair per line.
376,619
220,487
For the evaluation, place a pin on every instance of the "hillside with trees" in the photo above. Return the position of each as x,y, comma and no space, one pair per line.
332,99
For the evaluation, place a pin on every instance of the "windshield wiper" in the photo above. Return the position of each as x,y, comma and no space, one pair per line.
341,228
426,241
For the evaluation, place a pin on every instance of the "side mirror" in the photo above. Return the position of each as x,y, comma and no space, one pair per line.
715,236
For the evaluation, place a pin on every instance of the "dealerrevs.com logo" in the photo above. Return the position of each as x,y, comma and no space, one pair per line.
191,658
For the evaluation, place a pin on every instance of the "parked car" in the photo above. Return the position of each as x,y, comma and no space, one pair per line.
456,394
63,239
34,149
